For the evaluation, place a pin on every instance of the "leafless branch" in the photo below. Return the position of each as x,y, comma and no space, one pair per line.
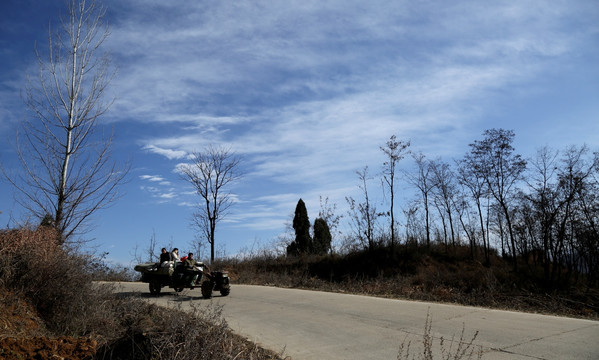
67,171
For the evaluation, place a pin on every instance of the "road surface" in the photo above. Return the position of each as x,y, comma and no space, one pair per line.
320,325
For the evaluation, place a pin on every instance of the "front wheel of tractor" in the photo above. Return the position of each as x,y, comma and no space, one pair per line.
207,287
155,287
225,291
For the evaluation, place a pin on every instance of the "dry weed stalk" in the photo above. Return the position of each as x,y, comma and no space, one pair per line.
465,350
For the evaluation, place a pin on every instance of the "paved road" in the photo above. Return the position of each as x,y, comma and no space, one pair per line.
320,325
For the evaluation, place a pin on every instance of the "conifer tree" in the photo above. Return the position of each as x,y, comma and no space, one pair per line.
301,225
322,237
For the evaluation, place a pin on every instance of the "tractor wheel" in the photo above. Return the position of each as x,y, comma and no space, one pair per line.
207,287
155,287
225,291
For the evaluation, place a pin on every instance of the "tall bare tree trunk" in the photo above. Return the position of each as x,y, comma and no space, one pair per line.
68,173
395,151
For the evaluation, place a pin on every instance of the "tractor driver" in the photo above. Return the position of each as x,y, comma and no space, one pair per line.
188,265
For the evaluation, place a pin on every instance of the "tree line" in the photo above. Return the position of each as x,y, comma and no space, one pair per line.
540,212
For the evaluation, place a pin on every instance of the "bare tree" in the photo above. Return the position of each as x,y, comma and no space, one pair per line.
395,151
544,198
412,224
575,195
210,173
68,173
147,254
445,192
462,208
424,183
494,161
477,189
363,215
151,250
327,213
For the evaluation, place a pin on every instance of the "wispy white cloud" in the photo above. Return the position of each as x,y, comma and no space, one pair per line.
163,189
168,153
187,204
154,178
308,91
169,195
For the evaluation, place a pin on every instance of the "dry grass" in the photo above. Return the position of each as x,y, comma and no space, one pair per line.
410,274
153,332
50,302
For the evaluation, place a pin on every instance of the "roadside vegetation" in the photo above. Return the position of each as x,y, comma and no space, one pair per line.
411,272
490,229
50,307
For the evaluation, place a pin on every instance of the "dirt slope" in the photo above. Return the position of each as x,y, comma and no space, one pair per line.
23,336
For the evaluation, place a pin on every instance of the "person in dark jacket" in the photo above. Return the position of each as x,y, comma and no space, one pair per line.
164,256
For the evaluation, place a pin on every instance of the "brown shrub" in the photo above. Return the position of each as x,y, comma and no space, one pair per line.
53,279
69,312
21,246
153,332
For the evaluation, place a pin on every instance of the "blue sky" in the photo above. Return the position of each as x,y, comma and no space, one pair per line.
306,92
